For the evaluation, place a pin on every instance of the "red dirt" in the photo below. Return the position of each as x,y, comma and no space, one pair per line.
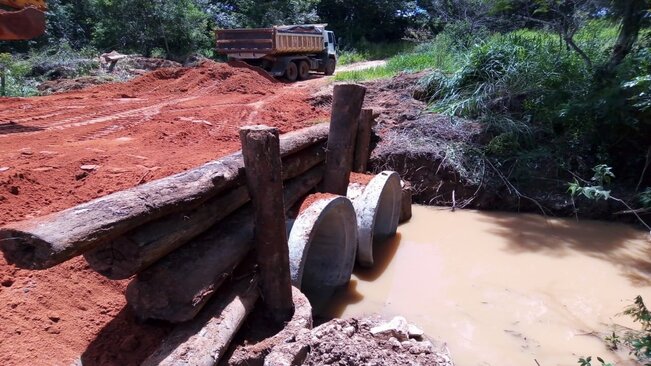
161,123
309,200
360,178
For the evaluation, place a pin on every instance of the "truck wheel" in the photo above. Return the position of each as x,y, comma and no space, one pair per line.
330,66
303,70
291,74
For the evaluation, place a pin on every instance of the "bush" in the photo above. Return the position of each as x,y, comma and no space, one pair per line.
529,90
15,73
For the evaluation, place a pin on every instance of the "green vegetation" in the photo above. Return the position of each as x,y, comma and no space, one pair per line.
558,87
542,103
23,72
588,361
431,55
13,77
366,51
638,342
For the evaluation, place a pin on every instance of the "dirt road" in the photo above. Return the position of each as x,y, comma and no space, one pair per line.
61,150
358,66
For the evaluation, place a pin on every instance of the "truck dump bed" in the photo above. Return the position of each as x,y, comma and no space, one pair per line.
271,41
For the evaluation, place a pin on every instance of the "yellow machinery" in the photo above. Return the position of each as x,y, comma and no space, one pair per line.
21,19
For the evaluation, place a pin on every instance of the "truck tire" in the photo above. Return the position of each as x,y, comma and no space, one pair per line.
303,70
291,73
331,65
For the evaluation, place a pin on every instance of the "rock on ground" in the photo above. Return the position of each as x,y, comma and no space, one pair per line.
351,342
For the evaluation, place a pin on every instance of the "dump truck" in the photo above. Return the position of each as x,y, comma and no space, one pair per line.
289,51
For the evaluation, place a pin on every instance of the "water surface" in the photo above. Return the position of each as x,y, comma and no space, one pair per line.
507,289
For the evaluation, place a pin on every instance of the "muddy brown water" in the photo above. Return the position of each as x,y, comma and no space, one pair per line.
507,289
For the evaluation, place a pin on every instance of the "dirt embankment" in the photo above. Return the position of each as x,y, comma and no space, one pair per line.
65,149
443,158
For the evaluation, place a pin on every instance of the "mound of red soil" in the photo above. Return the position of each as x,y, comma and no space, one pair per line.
64,149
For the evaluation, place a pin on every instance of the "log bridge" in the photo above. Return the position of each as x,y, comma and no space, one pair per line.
183,238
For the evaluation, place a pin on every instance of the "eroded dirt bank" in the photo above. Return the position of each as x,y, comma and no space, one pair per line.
446,162
64,149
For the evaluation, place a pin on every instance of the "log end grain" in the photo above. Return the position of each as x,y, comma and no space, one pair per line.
27,251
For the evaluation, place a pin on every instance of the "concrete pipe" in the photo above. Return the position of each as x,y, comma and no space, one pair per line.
322,246
378,206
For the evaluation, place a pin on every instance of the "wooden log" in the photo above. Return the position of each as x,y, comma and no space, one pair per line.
178,286
204,340
143,246
260,147
50,240
363,143
346,107
406,203
259,351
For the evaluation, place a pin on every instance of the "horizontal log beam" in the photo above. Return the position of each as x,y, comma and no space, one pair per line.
53,239
204,340
178,286
131,253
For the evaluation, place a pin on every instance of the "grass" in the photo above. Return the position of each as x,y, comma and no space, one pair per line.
432,55
366,51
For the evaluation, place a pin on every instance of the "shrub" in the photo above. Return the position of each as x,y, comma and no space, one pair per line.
15,73
529,87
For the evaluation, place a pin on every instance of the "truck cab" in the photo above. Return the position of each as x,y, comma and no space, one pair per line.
331,43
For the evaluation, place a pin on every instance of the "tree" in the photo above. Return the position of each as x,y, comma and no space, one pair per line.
251,13
567,17
476,14
179,27
633,13
371,20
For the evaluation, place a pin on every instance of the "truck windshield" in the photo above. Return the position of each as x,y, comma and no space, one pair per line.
331,37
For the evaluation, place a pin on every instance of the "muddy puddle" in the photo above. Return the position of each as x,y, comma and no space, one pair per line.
507,289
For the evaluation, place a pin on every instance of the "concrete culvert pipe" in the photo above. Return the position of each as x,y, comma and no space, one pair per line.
377,205
322,246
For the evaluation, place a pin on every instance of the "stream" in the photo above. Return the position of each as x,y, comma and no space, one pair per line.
504,289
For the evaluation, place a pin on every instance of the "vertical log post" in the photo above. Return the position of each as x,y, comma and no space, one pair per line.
363,144
346,108
261,151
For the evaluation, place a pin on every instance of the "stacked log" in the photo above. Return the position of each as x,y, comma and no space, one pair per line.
131,253
177,287
205,340
53,239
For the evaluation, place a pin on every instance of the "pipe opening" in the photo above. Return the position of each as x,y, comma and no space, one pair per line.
322,246
378,213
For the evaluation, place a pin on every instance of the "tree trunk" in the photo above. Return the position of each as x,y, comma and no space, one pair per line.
131,253
632,17
178,286
53,239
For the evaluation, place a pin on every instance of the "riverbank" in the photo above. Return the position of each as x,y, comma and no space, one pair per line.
446,161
